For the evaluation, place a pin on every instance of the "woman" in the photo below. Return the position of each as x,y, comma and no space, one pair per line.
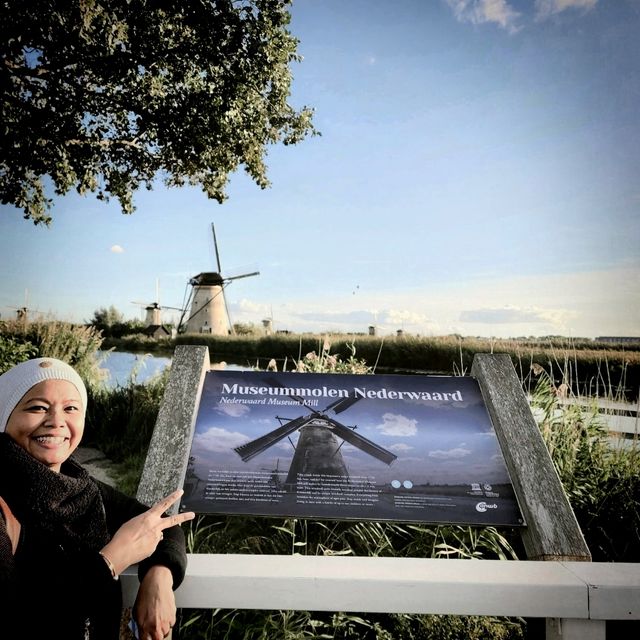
65,537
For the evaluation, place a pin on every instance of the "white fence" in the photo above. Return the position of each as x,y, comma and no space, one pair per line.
575,597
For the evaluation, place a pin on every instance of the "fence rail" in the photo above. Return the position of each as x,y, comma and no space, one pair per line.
579,596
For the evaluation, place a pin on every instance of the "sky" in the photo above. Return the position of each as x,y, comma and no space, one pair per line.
478,173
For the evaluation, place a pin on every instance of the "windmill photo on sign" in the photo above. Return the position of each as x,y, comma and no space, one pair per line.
317,450
383,447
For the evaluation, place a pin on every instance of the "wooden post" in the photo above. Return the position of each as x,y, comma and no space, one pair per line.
552,531
170,445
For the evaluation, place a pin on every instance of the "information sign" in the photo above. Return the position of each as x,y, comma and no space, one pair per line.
367,447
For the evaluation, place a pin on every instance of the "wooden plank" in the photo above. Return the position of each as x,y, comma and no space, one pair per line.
552,531
170,445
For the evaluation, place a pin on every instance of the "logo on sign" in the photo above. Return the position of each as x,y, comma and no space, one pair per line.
483,506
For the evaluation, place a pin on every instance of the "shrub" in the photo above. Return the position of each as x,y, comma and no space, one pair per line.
13,352
602,480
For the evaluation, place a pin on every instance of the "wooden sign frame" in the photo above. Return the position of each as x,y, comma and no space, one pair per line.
552,531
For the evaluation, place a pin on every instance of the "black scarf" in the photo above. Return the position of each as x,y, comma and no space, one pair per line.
66,505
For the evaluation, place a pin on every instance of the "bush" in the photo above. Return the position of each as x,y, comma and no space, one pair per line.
602,481
74,344
13,352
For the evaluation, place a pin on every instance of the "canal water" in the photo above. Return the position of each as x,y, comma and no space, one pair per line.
122,366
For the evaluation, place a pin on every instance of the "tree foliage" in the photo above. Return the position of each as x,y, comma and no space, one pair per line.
105,96
104,318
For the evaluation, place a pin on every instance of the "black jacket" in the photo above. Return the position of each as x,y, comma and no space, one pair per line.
53,588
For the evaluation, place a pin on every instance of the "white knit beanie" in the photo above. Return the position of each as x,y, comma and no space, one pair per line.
17,381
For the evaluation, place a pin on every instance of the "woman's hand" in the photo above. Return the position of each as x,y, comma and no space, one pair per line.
155,607
138,538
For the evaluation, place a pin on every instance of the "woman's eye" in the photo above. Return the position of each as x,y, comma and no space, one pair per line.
71,408
36,407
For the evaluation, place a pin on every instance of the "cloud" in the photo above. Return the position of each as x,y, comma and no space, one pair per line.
233,410
366,317
397,425
458,452
510,315
402,317
585,303
400,447
116,248
482,11
249,306
546,8
219,440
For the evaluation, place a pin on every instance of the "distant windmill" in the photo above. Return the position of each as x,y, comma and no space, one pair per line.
208,312
153,310
267,323
22,313
317,450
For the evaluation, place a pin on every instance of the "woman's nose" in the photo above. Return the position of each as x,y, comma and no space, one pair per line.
55,418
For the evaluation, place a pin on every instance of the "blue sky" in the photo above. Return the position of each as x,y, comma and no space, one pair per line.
478,172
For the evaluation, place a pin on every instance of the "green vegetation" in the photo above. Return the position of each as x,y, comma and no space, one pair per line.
77,345
587,367
111,323
13,351
120,423
602,480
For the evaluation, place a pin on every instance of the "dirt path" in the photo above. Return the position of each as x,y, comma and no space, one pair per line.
97,464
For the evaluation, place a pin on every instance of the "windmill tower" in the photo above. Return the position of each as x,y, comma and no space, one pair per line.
208,312
317,450
153,310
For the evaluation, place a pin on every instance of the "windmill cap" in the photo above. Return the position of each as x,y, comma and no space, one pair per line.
18,380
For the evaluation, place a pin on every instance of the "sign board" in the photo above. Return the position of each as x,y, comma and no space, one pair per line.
380,447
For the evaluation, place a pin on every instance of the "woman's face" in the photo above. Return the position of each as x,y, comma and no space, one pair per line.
48,422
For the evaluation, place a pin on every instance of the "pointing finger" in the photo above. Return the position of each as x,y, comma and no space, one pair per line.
179,518
162,505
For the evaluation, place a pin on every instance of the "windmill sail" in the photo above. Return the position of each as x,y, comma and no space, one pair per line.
251,449
362,443
342,404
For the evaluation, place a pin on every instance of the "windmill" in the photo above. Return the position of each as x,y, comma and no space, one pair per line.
153,310
267,323
22,313
274,474
317,450
208,312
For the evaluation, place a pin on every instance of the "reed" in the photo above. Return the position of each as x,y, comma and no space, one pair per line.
75,344
588,368
601,478
120,422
